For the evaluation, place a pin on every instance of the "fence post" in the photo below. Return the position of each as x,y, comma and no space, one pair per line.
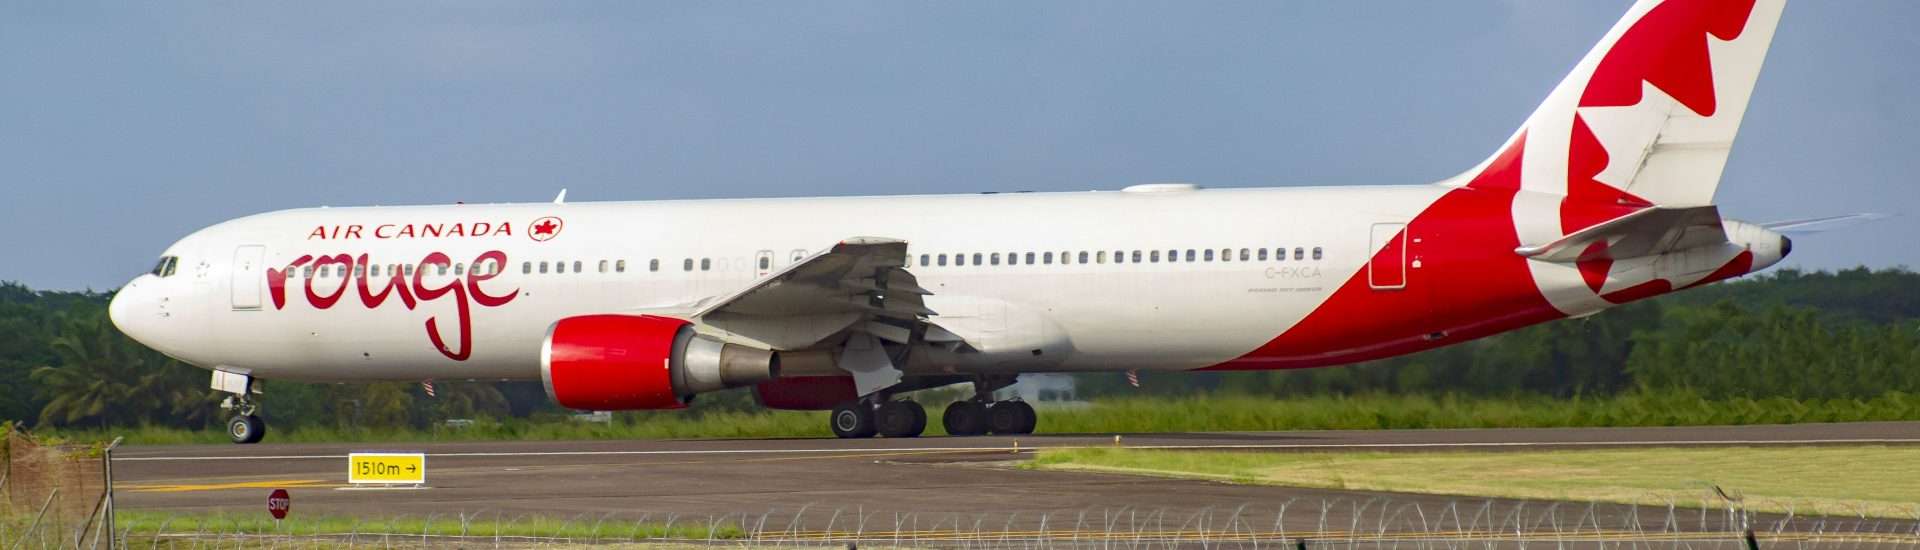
107,468
1752,544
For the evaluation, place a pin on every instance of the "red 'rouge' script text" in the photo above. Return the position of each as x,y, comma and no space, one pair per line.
465,291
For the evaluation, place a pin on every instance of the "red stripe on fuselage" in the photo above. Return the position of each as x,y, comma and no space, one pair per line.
1470,284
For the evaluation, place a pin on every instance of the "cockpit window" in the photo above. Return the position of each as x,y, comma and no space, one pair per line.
166,265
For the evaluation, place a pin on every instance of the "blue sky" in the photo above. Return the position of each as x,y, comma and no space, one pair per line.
124,126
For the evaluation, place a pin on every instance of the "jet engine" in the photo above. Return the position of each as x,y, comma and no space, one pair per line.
631,362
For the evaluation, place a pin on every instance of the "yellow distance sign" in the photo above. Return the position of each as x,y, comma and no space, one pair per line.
387,468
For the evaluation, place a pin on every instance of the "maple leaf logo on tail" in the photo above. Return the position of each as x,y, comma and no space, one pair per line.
1648,116
1645,120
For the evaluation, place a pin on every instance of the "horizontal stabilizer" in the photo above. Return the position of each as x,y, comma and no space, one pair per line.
1824,223
1648,232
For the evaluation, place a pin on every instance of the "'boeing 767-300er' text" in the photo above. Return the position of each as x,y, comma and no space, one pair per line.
1602,197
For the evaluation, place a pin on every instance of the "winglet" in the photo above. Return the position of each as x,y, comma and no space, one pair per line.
562,199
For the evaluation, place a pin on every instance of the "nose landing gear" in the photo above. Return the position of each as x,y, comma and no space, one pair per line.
244,427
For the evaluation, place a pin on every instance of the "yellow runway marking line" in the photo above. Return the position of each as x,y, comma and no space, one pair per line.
271,484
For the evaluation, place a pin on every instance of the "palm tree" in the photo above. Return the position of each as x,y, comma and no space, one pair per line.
106,379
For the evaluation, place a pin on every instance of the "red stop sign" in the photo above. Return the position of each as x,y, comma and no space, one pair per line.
278,503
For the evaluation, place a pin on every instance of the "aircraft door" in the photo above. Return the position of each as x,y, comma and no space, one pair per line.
763,263
247,276
1387,270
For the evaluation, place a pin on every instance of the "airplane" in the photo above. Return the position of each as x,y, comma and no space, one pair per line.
1602,197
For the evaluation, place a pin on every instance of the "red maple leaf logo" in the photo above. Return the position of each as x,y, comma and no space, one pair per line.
545,228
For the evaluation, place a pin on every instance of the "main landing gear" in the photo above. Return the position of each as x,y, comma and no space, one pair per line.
975,417
889,418
880,414
981,415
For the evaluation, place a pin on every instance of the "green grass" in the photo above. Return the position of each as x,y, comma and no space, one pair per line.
1199,413
1419,411
1850,480
148,523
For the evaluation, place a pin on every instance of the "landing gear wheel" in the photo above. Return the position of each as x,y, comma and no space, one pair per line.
853,420
900,419
246,428
1011,418
965,418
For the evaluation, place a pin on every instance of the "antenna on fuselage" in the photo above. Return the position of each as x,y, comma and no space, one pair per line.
562,199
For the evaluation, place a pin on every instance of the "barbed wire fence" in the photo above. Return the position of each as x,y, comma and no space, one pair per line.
55,496
1318,524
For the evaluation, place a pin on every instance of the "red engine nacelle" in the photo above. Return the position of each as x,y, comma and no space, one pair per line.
628,362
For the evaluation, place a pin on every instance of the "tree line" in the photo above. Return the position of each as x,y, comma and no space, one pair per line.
1850,334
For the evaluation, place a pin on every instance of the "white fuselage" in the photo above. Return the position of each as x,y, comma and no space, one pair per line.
1153,313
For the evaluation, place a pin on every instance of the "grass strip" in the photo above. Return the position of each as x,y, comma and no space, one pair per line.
1148,414
1882,481
141,523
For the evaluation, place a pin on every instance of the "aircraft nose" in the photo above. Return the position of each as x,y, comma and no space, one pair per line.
128,309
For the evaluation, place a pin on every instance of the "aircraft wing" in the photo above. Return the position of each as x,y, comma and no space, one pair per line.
1651,231
855,297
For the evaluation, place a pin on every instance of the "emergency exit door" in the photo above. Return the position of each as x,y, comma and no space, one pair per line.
1388,268
247,274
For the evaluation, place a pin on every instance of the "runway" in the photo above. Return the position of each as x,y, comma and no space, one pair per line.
799,480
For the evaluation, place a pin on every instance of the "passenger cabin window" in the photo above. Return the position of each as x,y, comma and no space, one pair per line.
976,258
560,267
1155,258
687,265
543,267
1316,253
1083,256
603,266
943,260
1299,253
1209,254
996,258
653,264
1262,254
526,267
373,271
1048,258
766,262
1243,254
706,264
1030,258
458,269
620,266
1280,254
576,266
